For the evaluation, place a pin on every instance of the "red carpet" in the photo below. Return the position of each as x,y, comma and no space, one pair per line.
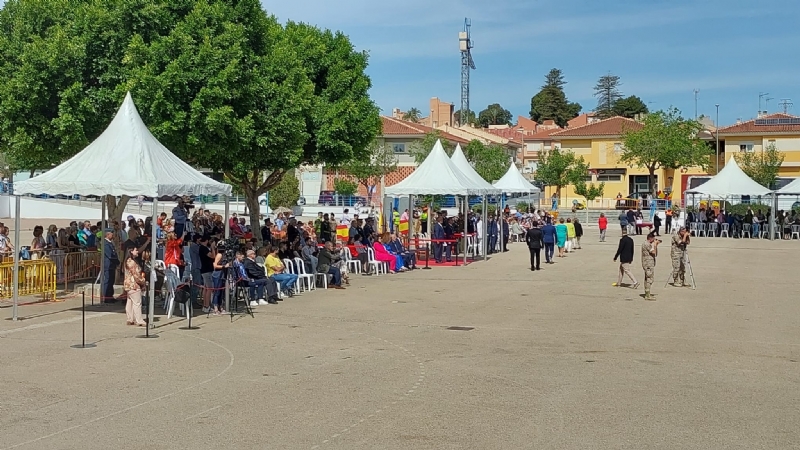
433,263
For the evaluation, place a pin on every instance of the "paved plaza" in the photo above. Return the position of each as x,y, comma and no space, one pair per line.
557,359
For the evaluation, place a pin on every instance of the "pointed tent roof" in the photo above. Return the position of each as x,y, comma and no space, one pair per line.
513,182
436,175
792,188
125,160
460,161
730,181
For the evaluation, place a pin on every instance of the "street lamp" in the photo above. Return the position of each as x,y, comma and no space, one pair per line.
716,131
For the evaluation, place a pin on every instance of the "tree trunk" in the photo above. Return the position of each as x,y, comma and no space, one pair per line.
114,209
652,181
251,202
252,186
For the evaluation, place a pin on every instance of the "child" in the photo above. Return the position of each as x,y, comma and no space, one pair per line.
602,223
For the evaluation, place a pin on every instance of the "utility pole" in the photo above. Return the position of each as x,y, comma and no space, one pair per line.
716,132
787,104
696,91
467,64
766,104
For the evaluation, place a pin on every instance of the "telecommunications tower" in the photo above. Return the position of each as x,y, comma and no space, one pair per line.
467,64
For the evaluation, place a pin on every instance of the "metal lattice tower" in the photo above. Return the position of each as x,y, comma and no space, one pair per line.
786,103
467,64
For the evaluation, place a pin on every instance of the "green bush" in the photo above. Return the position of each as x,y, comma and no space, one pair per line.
742,208
522,206
345,187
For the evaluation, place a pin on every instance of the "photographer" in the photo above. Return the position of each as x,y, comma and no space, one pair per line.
649,254
678,254
180,214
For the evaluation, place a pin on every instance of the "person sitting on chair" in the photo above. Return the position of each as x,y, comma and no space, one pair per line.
253,279
326,265
409,258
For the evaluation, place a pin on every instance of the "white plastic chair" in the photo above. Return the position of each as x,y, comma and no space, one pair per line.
746,230
692,228
372,262
712,229
291,269
795,232
471,244
724,232
353,265
701,230
305,279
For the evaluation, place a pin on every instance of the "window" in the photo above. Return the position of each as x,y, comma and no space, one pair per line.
399,148
617,147
746,147
609,178
587,178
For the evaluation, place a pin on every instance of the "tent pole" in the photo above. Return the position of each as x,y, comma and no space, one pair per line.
228,235
410,218
16,257
101,246
483,227
772,217
153,275
466,218
501,218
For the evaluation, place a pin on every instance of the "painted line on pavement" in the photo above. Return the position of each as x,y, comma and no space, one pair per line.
36,326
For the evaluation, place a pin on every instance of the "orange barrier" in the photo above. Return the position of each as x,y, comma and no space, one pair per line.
35,277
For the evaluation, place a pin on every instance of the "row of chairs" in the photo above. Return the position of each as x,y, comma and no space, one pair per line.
710,230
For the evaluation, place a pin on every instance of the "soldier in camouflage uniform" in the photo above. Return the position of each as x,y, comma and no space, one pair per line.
678,255
649,253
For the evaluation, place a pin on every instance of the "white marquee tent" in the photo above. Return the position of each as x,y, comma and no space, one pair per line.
514,183
461,163
792,188
731,181
437,175
126,159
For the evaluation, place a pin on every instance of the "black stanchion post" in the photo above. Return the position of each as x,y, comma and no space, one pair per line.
147,325
427,255
189,314
83,343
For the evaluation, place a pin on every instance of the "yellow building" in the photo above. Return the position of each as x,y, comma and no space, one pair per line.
600,144
782,130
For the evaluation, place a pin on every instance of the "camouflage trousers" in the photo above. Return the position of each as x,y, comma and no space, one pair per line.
678,269
649,274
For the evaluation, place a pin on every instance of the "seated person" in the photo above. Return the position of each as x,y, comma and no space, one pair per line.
277,271
255,279
382,254
326,260
396,247
359,251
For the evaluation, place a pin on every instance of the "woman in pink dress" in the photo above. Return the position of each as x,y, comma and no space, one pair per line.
384,256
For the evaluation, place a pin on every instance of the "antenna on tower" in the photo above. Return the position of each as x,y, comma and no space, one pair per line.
696,91
760,96
467,64
787,104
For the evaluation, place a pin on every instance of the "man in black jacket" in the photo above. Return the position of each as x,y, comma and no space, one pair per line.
110,265
535,241
625,255
257,281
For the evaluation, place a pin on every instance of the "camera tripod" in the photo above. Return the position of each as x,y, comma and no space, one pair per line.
687,271
233,289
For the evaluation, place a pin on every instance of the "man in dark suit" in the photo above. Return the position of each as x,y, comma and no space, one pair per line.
625,255
110,265
397,247
438,234
504,224
549,239
535,241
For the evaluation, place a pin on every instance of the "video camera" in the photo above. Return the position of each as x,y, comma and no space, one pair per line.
230,246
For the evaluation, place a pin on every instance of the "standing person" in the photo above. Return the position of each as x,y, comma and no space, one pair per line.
649,254
549,239
623,221
554,202
324,234
578,232
535,241
491,233
180,216
395,220
504,224
570,243
625,255
668,221
602,223
437,236
656,224
133,284
561,237
207,256
110,264
678,255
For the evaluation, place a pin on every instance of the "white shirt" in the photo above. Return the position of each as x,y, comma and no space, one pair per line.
345,220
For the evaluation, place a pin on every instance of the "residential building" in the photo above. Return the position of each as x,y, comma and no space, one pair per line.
780,130
441,114
511,143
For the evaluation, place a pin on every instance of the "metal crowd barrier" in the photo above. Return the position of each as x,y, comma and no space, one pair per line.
35,277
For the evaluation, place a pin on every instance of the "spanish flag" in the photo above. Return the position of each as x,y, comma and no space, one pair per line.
342,232
403,227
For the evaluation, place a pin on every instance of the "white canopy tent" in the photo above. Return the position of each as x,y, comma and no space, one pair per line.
514,183
792,188
460,161
731,181
126,159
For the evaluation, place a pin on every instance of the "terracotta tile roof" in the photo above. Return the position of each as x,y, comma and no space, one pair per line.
512,134
613,126
393,126
751,127
526,123
579,121
543,135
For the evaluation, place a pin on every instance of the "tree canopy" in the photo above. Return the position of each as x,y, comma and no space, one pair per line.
763,166
608,94
666,140
412,115
494,114
285,193
490,161
471,117
368,170
422,148
559,168
550,103
222,84
629,107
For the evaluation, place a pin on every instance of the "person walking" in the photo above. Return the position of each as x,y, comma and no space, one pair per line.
549,239
570,243
678,255
649,254
625,255
578,233
561,237
133,284
623,221
602,223
668,221
535,241
656,224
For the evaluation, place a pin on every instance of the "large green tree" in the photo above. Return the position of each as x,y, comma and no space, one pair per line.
551,101
220,83
494,114
665,141
412,115
422,148
470,118
763,166
608,94
559,167
490,161
629,107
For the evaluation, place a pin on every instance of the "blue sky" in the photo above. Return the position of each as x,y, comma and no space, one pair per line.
731,50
